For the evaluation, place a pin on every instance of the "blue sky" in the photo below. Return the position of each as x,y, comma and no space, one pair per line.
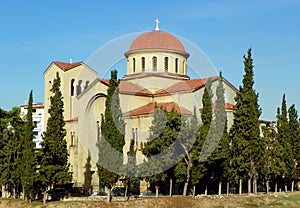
35,33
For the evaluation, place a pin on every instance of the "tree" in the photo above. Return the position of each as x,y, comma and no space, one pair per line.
293,129
28,162
163,132
12,128
247,145
284,139
220,156
54,166
113,131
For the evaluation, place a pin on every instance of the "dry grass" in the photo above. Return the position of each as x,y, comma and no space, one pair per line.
234,201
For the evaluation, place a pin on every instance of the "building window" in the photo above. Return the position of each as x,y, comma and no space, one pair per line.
134,137
133,63
72,139
98,131
176,65
72,87
166,63
143,63
154,63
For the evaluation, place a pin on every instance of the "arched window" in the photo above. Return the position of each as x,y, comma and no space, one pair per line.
166,63
133,64
154,63
176,65
143,63
72,87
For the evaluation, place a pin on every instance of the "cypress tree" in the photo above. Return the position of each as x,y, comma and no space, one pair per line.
113,131
284,140
54,167
28,160
247,145
293,127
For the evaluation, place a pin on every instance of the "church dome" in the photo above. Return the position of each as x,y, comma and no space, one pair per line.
159,40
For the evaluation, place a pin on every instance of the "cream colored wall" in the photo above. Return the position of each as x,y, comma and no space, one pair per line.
160,62
154,83
131,102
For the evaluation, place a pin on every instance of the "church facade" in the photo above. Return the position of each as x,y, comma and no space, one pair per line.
157,75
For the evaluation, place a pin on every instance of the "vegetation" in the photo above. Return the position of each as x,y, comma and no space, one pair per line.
113,131
54,167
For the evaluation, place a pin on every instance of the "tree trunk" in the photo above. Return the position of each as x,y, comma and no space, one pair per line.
220,188
267,186
276,187
14,192
227,189
108,199
127,188
285,187
156,191
171,186
194,190
254,185
240,186
292,188
45,198
24,194
205,193
185,188
249,185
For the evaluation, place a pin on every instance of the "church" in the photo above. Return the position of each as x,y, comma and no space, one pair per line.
156,75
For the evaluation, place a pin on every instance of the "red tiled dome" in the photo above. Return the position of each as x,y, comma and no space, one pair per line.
157,40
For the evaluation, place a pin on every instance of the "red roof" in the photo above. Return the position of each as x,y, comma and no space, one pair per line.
149,109
72,119
157,40
66,66
104,81
188,85
128,87
228,106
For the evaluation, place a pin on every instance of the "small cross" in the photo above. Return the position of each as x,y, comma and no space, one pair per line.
156,23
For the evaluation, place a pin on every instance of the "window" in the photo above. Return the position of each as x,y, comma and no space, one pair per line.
143,63
134,137
98,131
154,63
166,63
176,65
72,139
72,87
133,63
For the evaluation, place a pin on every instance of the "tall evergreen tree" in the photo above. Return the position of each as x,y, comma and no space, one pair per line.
113,131
294,137
12,128
54,166
284,139
247,145
220,156
28,162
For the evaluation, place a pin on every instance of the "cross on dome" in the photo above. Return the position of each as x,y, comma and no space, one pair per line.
156,24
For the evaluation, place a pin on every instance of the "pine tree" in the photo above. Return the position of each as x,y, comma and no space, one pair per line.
247,145
28,162
113,131
54,167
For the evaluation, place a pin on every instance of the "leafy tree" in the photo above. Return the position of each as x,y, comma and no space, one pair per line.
54,166
247,145
113,131
28,162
